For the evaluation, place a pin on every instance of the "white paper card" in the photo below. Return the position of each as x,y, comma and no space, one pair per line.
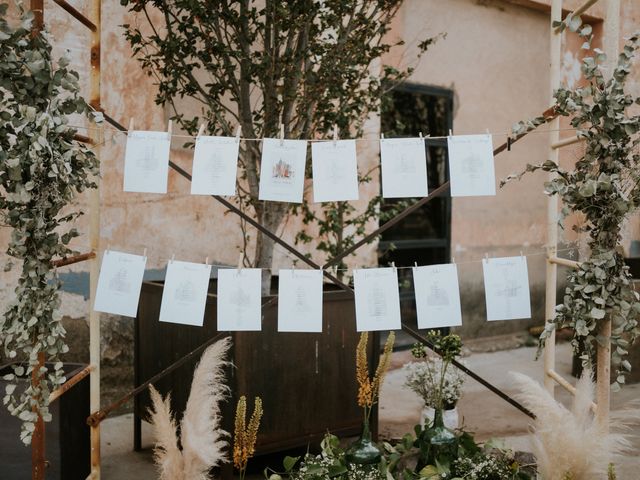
146,162
377,299
300,301
282,170
506,287
335,171
239,299
404,167
471,165
185,293
437,296
215,166
119,283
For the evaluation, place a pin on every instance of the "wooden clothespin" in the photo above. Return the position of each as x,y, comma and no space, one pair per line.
382,136
200,130
415,264
281,134
453,260
206,261
487,131
335,134
238,133
173,258
486,257
420,135
144,253
450,133
130,125
240,261
170,127
393,265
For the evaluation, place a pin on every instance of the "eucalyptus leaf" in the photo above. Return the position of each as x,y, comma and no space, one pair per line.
35,205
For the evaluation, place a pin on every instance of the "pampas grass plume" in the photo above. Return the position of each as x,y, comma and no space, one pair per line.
201,435
568,443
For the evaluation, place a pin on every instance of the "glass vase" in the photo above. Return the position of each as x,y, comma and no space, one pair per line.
441,444
450,417
363,451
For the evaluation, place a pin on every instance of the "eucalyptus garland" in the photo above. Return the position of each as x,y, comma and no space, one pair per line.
603,187
41,170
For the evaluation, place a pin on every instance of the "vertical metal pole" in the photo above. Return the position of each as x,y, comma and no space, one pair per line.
555,46
94,241
603,368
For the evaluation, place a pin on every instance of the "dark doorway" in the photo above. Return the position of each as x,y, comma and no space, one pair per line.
425,236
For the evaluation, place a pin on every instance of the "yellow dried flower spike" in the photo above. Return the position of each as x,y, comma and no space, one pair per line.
239,432
245,436
369,390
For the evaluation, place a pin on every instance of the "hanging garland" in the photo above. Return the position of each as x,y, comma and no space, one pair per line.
604,189
41,170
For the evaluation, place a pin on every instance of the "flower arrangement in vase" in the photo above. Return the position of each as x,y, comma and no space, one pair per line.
435,382
364,450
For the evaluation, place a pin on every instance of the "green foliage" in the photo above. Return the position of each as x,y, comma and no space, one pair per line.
604,188
340,225
330,463
449,345
41,171
406,460
302,63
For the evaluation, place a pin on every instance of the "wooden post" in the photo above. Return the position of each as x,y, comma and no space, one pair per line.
552,202
603,368
37,440
94,242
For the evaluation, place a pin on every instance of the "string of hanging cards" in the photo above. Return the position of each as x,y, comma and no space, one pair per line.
283,162
300,293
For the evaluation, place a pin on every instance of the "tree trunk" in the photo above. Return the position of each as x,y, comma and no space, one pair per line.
271,217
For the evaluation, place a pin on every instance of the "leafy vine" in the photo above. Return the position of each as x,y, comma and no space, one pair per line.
42,169
604,188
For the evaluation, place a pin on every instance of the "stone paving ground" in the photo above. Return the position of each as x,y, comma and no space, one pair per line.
482,411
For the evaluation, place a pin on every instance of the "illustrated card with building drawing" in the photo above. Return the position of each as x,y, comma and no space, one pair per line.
215,166
377,299
119,283
184,295
437,296
471,165
282,170
404,167
146,162
239,299
300,301
335,171
506,287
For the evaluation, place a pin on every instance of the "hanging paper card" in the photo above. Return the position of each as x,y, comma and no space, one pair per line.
404,167
300,301
119,283
282,170
506,288
335,171
377,299
437,296
215,164
471,165
239,299
185,293
146,162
